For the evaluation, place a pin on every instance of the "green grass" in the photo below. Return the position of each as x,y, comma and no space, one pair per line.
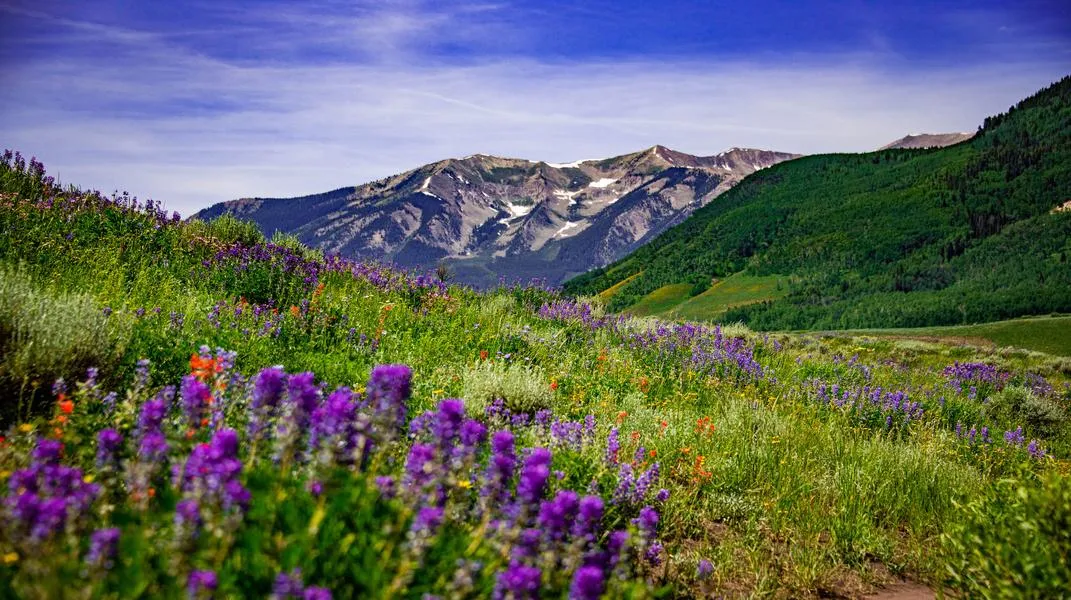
661,300
738,289
1051,335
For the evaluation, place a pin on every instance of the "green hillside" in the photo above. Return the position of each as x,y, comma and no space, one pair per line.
895,238
1051,335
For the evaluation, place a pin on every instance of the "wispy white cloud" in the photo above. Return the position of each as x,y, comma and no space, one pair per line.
189,129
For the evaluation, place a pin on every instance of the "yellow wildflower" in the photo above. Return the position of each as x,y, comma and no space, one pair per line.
11,557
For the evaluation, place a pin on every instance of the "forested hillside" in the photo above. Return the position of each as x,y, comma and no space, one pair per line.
892,238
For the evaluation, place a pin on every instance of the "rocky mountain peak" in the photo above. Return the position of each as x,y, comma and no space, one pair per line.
490,216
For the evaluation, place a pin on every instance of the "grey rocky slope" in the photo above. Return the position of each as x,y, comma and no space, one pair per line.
928,140
488,217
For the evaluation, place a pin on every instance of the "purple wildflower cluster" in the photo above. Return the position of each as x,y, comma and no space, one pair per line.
47,498
873,406
970,377
103,548
240,258
50,196
259,320
457,468
699,348
210,480
290,585
1012,439
543,530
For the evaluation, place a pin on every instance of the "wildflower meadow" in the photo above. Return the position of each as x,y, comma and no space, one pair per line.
190,410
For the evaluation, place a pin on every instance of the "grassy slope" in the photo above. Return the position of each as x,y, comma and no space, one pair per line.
787,496
738,289
661,300
1051,335
610,291
892,238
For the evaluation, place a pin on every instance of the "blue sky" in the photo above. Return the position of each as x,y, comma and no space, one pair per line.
197,102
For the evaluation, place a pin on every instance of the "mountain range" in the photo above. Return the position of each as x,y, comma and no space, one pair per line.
489,217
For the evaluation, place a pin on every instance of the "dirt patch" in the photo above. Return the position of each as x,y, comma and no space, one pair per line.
903,591
979,342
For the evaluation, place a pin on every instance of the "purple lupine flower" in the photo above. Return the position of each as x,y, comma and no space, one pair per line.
588,584
201,584
556,515
59,386
387,391
448,422
153,447
500,468
109,401
303,396
47,452
141,374
267,391
613,446
152,415
316,593
543,417
615,546
385,484
103,548
108,443
647,522
188,514
473,433
518,582
626,484
196,397
644,483
589,427
662,495
1014,438
315,488
532,480
427,521
288,585
419,467
704,569
528,543
211,472
1035,450
589,517
653,556
333,426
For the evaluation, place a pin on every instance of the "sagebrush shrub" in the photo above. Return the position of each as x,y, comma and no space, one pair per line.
44,336
521,387
1017,404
